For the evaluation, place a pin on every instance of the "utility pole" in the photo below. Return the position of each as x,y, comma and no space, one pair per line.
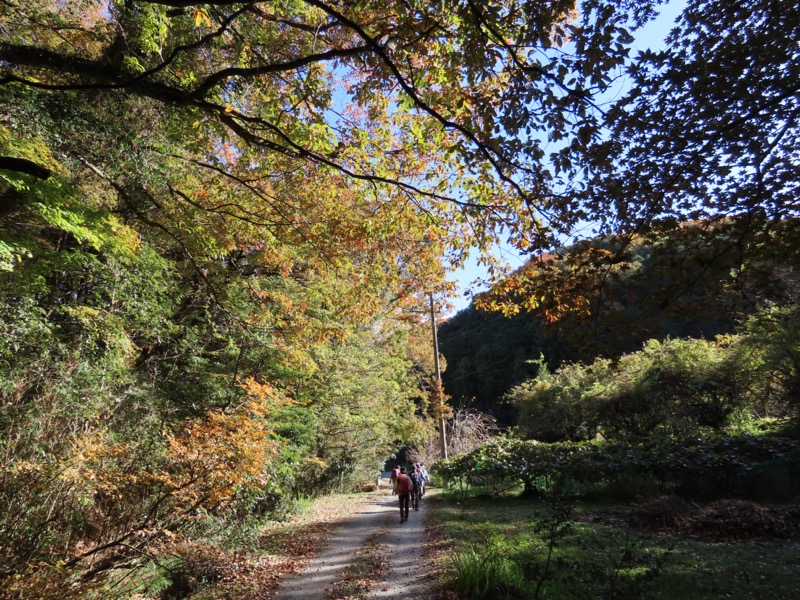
440,394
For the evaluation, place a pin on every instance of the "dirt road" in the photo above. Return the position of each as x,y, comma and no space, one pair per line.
371,555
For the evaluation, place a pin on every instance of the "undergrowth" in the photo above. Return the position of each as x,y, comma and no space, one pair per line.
560,549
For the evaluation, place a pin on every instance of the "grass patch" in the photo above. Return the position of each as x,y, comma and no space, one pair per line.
485,573
514,548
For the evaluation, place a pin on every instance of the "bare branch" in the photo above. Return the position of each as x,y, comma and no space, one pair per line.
292,65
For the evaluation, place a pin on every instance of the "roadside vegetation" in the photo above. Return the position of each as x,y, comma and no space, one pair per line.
226,227
558,548
212,559
672,472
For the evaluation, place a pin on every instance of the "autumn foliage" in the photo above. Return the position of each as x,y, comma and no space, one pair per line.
220,223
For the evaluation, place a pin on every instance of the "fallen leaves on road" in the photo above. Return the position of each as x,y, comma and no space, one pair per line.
362,573
739,519
284,549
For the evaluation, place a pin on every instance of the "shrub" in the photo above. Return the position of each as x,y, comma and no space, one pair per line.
483,573
673,388
741,467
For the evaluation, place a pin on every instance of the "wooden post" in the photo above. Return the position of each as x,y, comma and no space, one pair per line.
440,399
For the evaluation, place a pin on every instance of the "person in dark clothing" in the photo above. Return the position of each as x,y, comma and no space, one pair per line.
417,483
404,489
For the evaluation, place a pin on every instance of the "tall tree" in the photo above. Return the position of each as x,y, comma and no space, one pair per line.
709,128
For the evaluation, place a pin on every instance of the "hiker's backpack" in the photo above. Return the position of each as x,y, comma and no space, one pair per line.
416,479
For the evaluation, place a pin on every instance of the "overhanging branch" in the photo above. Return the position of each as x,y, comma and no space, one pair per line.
23,165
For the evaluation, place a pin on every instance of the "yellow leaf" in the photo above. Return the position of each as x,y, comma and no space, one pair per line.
201,16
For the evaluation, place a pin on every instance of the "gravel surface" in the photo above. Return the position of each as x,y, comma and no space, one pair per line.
374,525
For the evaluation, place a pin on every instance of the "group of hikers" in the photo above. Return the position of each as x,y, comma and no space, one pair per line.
409,487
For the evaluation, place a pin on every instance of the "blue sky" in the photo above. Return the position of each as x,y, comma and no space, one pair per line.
651,36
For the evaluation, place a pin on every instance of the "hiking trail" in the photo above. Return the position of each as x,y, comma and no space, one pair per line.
370,555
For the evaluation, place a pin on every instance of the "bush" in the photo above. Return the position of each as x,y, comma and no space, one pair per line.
485,574
743,467
675,388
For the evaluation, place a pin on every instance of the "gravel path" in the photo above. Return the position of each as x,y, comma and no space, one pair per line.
406,575
376,525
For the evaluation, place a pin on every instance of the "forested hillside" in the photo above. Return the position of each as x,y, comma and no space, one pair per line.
693,282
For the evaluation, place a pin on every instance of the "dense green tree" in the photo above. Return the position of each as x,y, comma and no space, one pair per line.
771,356
675,388
488,353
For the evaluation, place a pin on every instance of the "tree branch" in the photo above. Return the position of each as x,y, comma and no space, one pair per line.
292,65
492,155
188,3
23,165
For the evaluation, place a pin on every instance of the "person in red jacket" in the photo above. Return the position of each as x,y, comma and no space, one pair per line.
404,489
